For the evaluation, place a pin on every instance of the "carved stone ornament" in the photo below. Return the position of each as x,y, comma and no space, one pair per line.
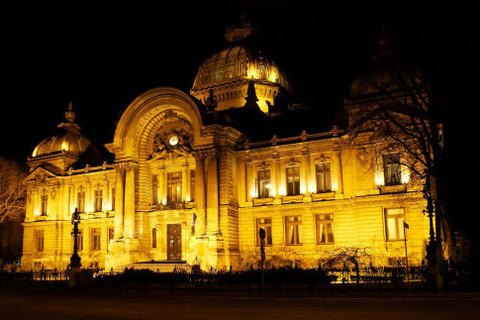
363,156
174,139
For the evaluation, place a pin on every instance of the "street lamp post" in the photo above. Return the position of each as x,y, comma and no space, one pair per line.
262,235
75,261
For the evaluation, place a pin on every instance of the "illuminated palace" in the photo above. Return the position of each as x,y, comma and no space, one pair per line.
194,176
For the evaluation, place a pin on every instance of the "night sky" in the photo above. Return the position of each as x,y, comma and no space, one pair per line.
102,56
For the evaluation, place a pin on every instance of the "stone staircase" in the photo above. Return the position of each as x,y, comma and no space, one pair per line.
162,266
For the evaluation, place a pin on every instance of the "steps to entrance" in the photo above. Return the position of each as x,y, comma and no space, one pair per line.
162,266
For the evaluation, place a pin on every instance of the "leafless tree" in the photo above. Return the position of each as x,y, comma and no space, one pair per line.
12,190
397,109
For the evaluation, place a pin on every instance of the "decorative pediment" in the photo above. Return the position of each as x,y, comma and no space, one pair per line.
263,166
322,159
292,163
40,175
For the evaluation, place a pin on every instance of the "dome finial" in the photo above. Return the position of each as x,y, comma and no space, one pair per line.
240,31
384,46
70,115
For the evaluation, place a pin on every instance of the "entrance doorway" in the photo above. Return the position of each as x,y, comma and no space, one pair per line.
174,241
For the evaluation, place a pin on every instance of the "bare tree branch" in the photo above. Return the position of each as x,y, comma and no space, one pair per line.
12,190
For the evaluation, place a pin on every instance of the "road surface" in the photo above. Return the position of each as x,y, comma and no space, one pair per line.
93,306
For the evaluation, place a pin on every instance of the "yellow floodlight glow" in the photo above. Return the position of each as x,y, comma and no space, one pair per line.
273,77
379,178
252,72
303,189
405,176
65,146
273,192
334,185
311,187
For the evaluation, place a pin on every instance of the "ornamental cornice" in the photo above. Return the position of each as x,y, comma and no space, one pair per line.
126,165
205,153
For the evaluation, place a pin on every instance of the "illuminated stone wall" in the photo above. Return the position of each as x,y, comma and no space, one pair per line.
355,203
181,191
47,239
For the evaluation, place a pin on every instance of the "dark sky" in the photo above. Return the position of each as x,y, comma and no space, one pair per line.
101,56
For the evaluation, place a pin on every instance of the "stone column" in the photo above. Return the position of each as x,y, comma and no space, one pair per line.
200,193
212,191
337,175
248,179
162,190
129,213
306,170
106,195
188,193
185,181
277,174
119,201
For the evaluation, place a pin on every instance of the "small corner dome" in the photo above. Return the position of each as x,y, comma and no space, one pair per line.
69,142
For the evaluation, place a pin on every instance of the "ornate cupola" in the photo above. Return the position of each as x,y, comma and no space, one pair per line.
229,72
68,149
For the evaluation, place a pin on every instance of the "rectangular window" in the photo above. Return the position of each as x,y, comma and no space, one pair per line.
81,201
98,200
293,180
192,185
44,209
265,224
39,240
324,182
174,187
95,237
263,180
154,238
392,169
394,219
155,189
324,225
293,230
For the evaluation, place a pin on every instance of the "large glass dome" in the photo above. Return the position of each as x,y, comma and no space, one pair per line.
229,71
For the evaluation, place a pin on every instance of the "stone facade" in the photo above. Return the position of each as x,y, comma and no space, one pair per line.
180,190
186,186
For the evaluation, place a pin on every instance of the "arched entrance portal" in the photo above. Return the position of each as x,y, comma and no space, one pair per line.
172,172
